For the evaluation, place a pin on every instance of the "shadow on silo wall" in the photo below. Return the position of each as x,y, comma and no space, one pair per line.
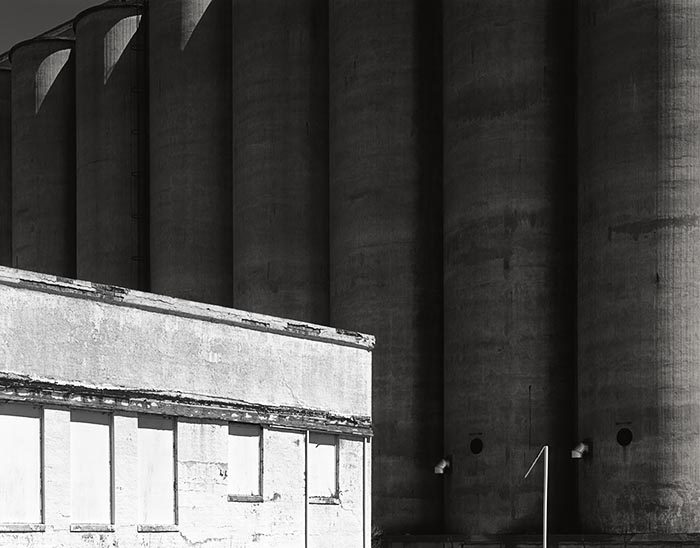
386,238
280,159
190,149
510,275
112,177
43,156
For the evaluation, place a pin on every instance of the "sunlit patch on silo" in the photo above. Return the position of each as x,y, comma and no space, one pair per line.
191,14
116,41
46,75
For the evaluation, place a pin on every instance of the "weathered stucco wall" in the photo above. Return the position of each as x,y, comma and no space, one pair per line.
78,332
67,345
205,515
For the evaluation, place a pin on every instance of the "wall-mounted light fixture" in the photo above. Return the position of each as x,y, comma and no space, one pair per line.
580,450
441,466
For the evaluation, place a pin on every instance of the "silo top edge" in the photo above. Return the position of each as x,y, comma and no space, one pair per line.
23,43
64,30
102,7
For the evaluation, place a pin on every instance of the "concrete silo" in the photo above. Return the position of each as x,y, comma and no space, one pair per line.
385,237
111,146
190,149
509,244
43,156
5,168
280,158
639,265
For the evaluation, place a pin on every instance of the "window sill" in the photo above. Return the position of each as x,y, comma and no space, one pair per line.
245,498
91,528
22,527
157,528
324,500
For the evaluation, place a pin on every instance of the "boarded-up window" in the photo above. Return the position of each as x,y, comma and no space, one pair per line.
90,467
323,465
156,455
244,459
20,464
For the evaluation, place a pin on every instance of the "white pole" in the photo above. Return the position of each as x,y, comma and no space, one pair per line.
544,451
544,498
366,538
306,489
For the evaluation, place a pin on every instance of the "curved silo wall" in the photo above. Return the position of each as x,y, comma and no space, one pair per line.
280,158
111,146
639,275
43,156
509,244
190,149
5,168
385,237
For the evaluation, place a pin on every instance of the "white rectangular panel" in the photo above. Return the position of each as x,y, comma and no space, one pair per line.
90,467
156,481
322,466
20,464
244,459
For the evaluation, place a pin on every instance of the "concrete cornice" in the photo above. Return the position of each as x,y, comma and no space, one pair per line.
26,389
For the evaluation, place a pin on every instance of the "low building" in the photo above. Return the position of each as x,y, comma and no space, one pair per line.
130,419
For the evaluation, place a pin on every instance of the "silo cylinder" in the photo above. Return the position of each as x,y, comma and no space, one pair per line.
190,149
509,278
639,265
385,237
280,158
43,156
111,147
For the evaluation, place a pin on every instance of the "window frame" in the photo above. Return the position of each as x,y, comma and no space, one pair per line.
234,497
335,497
96,527
159,527
40,526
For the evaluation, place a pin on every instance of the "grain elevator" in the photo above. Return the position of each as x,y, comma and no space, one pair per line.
506,193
